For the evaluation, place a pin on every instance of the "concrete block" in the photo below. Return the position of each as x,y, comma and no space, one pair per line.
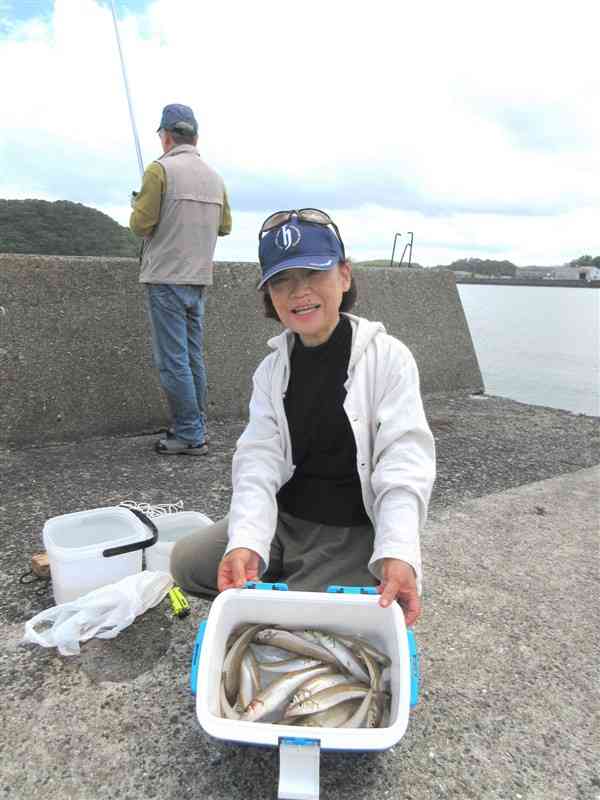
75,354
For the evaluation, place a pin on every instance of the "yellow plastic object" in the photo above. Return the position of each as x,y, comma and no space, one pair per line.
179,603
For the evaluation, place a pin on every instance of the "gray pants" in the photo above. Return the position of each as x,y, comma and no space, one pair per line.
307,556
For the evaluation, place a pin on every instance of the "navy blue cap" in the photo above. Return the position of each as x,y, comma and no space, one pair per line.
298,244
181,119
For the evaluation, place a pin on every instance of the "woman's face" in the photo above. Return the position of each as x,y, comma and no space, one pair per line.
308,301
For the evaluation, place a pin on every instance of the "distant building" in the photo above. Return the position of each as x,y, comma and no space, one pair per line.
577,273
535,272
569,273
589,274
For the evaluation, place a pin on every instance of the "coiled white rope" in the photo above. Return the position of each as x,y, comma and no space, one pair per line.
154,510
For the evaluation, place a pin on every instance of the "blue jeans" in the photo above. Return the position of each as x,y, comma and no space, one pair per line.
176,314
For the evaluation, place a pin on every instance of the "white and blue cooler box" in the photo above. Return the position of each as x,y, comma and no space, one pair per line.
349,610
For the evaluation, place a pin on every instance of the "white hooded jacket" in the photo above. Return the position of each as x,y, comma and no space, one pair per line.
395,450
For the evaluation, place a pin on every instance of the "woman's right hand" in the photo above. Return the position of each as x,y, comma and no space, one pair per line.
237,567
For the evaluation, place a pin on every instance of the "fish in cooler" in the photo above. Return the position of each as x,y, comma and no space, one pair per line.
303,677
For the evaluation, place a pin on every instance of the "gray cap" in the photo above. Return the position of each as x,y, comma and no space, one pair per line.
178,118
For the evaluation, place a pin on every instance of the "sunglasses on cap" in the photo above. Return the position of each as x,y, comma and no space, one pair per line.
313,215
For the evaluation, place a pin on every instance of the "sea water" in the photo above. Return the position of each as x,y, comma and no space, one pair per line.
537,344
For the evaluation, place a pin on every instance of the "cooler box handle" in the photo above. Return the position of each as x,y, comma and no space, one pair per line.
129,548
352,589
196,656
414,667
276,587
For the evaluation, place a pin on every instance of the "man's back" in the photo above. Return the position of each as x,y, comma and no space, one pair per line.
183,243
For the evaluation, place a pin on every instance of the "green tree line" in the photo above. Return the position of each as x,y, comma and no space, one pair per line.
484,266
62,228
585,261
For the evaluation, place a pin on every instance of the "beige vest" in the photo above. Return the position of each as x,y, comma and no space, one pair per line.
182,246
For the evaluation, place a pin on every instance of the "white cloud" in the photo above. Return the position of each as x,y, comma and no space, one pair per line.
475,125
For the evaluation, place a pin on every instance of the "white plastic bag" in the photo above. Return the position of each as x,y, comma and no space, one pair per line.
104,613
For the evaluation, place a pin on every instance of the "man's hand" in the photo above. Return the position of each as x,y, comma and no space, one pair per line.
237,567
133,198
398,582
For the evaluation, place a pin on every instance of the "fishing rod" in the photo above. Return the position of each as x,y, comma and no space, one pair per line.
129,103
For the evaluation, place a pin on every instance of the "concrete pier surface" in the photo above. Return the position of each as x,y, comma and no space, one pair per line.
508,639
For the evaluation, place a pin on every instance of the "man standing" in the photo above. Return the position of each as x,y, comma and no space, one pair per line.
181,209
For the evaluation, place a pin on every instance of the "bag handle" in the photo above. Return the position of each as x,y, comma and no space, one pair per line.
129,548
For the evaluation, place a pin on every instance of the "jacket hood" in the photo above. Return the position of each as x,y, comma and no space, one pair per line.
363,331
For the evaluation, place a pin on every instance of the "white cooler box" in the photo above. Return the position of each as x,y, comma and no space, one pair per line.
172,528
348,610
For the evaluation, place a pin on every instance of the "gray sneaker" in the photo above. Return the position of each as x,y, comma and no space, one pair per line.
171,434
175,447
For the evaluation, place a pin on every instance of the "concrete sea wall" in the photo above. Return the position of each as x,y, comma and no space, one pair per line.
75,357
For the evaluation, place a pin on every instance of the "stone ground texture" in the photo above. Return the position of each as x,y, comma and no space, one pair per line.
508,639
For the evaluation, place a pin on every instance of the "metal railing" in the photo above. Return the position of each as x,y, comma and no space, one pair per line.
408,246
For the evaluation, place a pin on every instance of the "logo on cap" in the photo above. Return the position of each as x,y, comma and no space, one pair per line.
287,236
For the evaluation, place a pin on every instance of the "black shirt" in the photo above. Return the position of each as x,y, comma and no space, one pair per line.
325,486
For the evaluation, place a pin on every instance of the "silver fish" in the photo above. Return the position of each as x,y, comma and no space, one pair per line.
319,684
335,717
236,633
226,710
357,643
385,719
233,660
295,644
359,717
343,654
264,653
373,668
327,698
289,664
249,678
375,707
279,692
375,711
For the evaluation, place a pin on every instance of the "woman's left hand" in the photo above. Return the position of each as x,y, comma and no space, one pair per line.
399,583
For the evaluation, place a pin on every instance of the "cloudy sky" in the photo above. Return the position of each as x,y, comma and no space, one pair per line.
476,125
